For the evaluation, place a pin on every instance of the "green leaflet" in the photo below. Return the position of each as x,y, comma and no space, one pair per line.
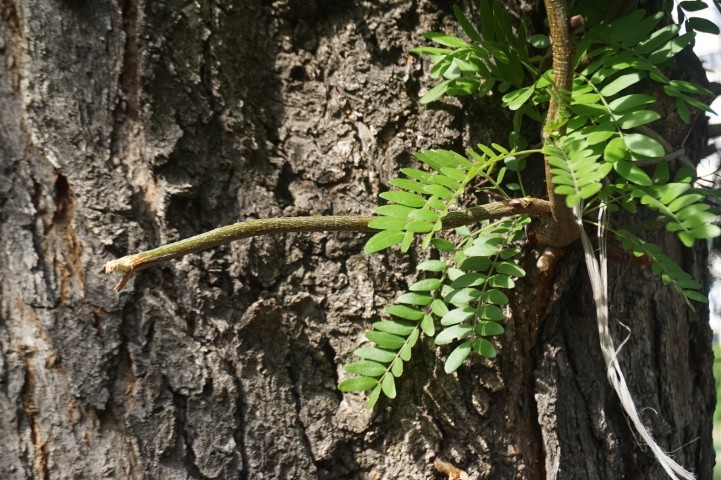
357,384
395,327
657,39
426,285
637,118
432,266
404,198
385,340
366,368
484,348
428,325
620,83
644,145
632,173
704,25
629,103
487,329
457,357
454,332
374,353
388,385
494,297
447,40
457,315
414,298
490,312
383,240
404,311
468,29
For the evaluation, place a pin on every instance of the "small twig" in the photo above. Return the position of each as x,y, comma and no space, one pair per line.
345,223
561,231
453,472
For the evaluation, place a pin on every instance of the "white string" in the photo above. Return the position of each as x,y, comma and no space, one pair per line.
598,274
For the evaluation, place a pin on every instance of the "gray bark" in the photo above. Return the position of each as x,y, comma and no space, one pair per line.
126,125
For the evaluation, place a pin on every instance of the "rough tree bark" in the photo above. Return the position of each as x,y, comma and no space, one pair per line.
128,124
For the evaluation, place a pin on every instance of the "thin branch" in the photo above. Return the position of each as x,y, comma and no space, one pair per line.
346,223
561,231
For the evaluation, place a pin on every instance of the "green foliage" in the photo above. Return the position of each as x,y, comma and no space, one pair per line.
495,57
684,209
669,271
393,338
473,296
603,150
576,174
424,198
460,301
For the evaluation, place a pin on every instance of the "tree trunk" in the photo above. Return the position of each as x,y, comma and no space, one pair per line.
126,126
